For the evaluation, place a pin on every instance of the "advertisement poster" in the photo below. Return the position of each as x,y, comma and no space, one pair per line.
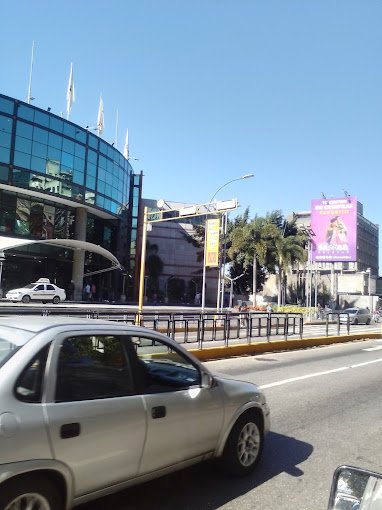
212,244
334,223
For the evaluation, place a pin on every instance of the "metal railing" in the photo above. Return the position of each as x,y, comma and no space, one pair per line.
224,328
201,329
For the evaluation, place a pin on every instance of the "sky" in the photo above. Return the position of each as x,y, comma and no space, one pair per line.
210,90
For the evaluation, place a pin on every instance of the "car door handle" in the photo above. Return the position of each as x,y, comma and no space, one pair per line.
158,412
70,430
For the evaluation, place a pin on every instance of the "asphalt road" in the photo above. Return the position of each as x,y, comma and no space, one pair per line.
326,406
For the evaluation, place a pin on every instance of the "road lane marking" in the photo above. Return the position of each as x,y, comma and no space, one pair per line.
373,348
318,374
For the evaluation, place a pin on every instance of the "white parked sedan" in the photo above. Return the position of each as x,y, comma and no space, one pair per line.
89,407
42,290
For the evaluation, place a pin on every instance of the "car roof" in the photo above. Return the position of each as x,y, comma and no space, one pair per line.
37,323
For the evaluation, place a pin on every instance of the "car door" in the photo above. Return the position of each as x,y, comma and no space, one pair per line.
38,292
96,422
50,292
184,418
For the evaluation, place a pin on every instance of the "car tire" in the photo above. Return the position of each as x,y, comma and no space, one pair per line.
244,445
368,321
32,492
355,321
55,300
26,299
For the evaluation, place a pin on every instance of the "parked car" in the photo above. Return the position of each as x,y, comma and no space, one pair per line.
356,315
42,290
88,407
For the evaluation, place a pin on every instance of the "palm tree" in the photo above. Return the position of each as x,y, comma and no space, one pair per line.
251,244
289,250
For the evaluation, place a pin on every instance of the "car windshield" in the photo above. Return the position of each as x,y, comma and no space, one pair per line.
29,286
11,340
351,310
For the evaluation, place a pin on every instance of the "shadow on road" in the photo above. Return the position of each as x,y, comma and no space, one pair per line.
205,487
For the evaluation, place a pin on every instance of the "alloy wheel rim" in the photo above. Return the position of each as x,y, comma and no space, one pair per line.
30,501
248,444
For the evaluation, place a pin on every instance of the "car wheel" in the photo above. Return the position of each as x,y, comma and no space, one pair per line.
55,300
26,299
34,492
355,321
368,321
244,445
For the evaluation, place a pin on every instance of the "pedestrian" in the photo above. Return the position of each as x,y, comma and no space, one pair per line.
87,291
72,289
243,309
269,308
93,291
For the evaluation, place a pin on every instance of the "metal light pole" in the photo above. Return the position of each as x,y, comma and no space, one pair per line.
368,271
245,176
2,258
231,280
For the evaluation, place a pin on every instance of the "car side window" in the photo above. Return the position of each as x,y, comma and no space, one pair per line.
28,386
39,287
92,367
165,369
49,287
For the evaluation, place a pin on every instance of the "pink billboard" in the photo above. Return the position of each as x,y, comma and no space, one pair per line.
334,223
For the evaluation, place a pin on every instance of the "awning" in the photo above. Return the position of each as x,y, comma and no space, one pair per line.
7,243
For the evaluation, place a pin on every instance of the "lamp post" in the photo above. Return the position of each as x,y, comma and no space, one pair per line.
307,230
368,271
245,176
2,258
231,280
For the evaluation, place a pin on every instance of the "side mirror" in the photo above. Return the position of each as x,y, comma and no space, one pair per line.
355,489
207,380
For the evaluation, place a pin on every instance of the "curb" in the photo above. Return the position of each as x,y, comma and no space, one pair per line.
213,353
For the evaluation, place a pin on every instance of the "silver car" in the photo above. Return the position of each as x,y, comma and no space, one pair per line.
356,316
89,407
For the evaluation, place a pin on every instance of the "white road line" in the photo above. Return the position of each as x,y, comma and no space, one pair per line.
373,348
318,374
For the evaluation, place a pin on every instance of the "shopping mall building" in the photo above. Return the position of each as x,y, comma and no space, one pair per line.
61,181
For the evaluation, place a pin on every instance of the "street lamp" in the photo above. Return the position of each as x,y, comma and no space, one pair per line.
221,280
368,271
2,258
307,230
231,280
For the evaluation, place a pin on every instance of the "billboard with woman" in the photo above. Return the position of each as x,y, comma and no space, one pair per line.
334,223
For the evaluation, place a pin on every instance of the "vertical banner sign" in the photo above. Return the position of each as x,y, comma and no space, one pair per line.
212,242
334,223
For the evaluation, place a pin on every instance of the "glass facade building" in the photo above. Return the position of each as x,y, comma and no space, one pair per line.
59,180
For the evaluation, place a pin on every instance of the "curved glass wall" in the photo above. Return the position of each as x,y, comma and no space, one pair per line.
46,153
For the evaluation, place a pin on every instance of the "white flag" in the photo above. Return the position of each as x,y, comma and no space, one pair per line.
126,146
70,95
100,119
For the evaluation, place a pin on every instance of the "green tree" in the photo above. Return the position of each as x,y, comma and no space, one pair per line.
289,246
251,247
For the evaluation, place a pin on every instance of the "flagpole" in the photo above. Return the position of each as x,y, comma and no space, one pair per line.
116,130
70,94
100,118
30,76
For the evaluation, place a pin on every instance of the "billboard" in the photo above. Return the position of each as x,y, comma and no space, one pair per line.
334,223
212,242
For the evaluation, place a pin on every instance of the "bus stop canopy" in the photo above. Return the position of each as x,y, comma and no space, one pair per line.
7,243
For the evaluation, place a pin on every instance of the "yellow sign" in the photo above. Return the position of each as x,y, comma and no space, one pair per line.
212,242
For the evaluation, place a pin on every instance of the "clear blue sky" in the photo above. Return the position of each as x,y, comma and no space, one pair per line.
289,90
